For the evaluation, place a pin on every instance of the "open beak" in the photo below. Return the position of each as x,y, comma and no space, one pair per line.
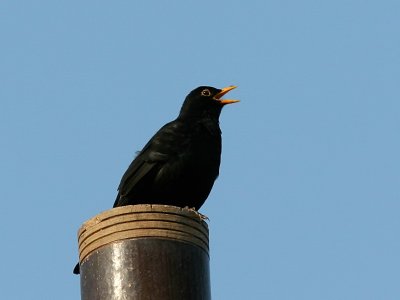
223,92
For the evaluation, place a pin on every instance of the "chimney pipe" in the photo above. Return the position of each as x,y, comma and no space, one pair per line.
155,252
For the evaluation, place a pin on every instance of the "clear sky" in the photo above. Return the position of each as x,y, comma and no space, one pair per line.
307,205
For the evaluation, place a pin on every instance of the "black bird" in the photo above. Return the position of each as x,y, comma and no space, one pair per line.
180,163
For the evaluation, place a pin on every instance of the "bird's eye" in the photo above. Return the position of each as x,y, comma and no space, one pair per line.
206,93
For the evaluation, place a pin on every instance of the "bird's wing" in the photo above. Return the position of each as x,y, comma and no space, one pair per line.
162,148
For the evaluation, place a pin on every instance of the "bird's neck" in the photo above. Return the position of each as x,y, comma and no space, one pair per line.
204,116
210,123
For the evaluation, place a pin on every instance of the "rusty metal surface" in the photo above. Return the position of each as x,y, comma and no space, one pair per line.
142,221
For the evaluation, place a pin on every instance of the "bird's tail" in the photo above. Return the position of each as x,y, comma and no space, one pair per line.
76,269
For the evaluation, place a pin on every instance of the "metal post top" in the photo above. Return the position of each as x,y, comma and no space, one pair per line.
142,221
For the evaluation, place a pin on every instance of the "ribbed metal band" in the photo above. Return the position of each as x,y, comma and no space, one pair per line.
142,221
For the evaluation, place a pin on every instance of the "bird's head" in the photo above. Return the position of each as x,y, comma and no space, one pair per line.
205,101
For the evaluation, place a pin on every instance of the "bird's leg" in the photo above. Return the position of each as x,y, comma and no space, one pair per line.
201,216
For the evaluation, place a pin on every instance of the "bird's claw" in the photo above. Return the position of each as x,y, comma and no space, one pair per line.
201,216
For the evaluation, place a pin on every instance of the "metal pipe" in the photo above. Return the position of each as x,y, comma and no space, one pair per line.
155,252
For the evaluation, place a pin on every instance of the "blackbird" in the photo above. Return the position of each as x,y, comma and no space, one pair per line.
180,163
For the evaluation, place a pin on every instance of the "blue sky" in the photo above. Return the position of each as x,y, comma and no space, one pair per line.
307,202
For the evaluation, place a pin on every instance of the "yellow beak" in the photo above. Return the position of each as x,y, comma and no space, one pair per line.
223,92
